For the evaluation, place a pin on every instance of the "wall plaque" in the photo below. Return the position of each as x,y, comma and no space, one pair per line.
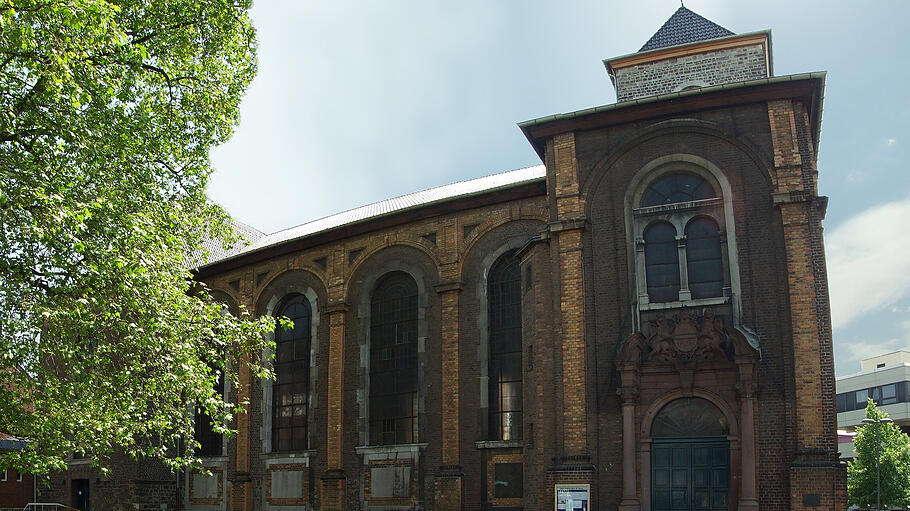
572,497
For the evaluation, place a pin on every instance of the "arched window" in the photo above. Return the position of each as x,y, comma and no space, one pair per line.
393,361
703,258
689,417
676,188
661,262
678,225
504,298
210,441
292,376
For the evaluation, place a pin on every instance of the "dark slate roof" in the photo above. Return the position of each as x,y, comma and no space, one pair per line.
216,250
682,28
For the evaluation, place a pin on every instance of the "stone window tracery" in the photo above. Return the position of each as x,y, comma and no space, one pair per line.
680,241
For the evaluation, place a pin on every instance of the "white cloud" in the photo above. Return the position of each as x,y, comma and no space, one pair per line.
869,262
855,176
892,142
860,350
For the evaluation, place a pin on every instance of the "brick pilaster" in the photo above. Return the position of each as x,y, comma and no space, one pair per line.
815,477
448,484
241,494
332,483
331,492
568,228
573,465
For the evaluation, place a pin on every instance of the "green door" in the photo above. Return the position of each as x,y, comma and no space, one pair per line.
689,474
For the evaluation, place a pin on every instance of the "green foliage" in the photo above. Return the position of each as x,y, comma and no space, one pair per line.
108,109
894,449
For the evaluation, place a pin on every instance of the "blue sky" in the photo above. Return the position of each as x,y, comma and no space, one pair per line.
357,102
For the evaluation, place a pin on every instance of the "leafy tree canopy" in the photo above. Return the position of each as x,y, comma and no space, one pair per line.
108,109
894,452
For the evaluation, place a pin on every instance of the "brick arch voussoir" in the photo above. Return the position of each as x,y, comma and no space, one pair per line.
662,128
262,293
488,226
422,246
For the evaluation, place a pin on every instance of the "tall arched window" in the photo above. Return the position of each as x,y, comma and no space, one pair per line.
504,296
393,361
292,376
661,262
704,263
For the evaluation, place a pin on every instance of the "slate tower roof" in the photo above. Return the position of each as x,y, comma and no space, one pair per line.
684,27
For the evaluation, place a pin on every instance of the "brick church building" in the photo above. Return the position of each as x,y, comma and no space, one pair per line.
640,323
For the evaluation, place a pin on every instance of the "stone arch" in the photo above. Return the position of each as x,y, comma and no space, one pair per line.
223,296
419,245
708,170
413,260
273,293
658,404
476,264
489,226
669,127
690,84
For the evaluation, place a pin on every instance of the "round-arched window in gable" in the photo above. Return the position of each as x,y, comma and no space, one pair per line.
674,188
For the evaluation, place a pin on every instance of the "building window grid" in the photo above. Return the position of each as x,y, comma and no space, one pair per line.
393,361
292,375
680,267
505,389
891,393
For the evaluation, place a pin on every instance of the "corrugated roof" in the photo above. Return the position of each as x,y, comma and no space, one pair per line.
682,28
389,206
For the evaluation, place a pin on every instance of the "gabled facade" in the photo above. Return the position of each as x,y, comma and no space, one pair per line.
640,323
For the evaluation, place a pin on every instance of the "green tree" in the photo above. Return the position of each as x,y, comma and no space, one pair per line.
894,452
108,109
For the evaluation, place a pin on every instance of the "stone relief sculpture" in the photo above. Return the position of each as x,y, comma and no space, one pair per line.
687,337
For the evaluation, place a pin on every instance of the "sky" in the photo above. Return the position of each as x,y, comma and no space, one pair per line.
356,102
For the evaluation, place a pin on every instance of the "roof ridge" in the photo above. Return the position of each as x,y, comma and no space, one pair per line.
400,197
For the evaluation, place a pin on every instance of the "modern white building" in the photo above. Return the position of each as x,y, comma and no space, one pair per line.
886,379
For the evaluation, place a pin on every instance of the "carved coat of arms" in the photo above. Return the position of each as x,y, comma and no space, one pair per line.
687,337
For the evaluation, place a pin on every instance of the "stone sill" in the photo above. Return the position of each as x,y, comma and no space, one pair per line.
289,455
697,302
498,444
390,449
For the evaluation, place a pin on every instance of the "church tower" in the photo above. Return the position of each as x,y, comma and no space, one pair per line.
693,336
